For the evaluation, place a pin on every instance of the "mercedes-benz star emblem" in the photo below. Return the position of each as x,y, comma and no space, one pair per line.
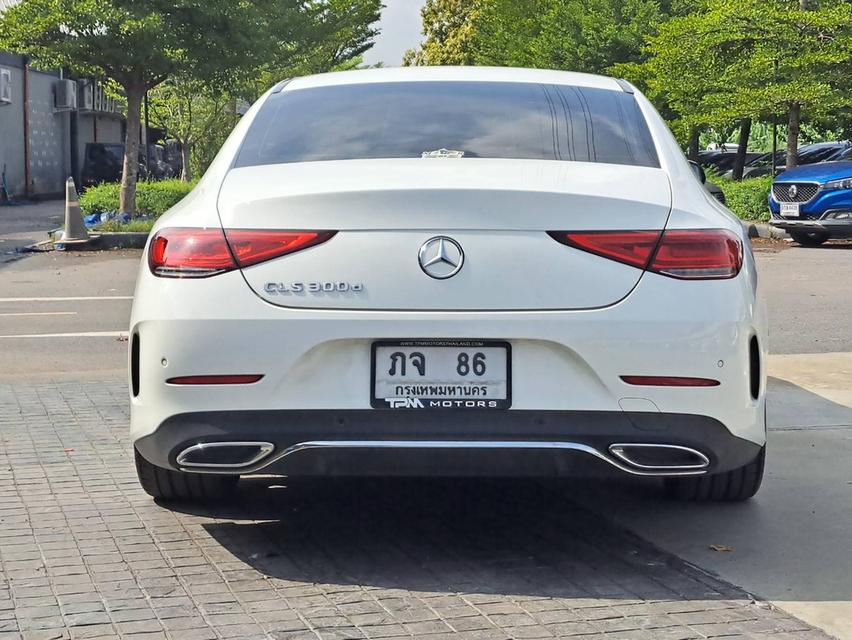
441,257
793,191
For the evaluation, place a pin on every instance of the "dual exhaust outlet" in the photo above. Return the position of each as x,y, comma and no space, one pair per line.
646,459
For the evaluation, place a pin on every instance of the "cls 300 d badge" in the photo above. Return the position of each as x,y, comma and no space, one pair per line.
284,288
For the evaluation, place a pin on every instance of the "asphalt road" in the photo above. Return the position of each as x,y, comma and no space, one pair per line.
809,294
26,224
790,545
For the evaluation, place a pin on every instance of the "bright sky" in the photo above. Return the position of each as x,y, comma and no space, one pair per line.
400,30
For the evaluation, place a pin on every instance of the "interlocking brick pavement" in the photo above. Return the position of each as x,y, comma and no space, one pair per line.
85,554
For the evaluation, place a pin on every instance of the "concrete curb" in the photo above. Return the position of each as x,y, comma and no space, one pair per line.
123,239
763,230
103,241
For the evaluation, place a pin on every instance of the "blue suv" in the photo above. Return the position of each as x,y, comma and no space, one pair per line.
814,202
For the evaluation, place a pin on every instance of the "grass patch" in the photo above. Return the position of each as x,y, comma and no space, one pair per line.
153,198
133,225
746,198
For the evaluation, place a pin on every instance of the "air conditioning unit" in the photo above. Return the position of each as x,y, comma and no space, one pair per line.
85,95
66,95
5,86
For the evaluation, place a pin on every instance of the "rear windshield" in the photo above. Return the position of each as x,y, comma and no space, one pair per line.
478,119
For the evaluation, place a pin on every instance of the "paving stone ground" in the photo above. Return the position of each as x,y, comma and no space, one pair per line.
84,553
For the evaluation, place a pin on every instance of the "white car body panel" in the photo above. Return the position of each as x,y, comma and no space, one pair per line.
572,338
386,209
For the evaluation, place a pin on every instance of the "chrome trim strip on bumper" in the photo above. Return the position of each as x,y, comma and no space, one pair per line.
264,449
626,466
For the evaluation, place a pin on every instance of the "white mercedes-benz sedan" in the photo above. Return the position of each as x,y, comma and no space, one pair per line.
449,271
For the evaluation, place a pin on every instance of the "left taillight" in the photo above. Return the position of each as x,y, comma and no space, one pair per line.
200,253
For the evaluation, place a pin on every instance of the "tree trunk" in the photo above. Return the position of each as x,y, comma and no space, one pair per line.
793,134
692,152
185,153
739,160
127,201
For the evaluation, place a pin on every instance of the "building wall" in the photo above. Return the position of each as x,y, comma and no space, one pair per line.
50,159
12,128
48,136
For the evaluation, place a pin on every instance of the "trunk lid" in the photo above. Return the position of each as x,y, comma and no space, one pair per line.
497,211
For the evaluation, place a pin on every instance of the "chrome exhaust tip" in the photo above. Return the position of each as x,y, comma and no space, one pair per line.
660,457
224,455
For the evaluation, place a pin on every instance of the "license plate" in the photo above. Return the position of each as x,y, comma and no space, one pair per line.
790,209
441,374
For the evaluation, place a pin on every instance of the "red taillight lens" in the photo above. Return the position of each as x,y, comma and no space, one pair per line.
699,254
630,247
189,253
690,254
199,253
251,247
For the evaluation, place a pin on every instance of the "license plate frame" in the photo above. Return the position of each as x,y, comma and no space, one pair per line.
432,404
791,210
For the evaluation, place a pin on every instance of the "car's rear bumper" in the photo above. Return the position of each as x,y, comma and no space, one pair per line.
449,443
838,228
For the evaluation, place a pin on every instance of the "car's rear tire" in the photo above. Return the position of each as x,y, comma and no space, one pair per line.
809,238
732,486
168,485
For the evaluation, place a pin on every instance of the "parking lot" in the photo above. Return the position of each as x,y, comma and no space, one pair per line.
84,553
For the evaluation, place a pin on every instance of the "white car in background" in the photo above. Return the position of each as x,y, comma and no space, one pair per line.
449,271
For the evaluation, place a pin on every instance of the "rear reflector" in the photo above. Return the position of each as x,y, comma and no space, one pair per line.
687,254
199,253
669,381
226,379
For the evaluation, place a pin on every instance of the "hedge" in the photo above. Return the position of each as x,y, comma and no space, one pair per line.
152,198
746,198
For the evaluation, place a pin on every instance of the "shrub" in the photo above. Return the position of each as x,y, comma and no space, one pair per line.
746,198
152,198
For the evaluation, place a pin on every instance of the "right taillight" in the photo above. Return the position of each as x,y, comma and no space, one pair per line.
689,254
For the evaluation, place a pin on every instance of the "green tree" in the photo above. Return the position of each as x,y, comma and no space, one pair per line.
452,30
138,45
736,60
324,36
189,111
576,35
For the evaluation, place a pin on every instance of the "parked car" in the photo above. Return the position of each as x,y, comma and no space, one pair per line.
104,162
722,161
433,271
174,158
814,202
158,168
808,154
712,188
723,146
